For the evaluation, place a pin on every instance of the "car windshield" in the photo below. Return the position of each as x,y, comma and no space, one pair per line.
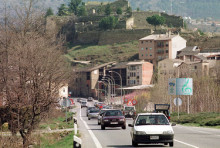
91,108
113,113
151,120
94,111
83,102
129,108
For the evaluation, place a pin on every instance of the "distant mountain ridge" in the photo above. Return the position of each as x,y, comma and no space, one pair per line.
194,8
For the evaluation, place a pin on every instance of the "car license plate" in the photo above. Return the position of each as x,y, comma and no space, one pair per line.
114,122
154,137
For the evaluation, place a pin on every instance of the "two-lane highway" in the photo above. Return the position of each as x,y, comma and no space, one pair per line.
185,137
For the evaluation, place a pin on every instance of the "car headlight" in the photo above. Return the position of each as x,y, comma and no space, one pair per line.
140,133
122,119
168,132
106,120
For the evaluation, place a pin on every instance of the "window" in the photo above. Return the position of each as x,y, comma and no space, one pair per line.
151,41
142,42
146,48
142,55
150,48
167,44
195,67
142,48
146,55
150,54
167,50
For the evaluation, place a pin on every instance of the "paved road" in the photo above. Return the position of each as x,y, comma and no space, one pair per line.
185,137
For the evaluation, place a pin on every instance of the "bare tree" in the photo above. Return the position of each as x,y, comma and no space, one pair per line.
32,70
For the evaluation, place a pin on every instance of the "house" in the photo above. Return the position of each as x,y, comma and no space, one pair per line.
156,47
167,68
63,91
85,81
139,73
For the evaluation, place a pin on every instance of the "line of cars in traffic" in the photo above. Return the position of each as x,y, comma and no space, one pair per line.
146,127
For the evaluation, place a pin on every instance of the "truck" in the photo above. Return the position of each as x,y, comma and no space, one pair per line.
162,108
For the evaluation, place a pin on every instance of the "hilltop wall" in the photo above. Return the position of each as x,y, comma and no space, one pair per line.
140,19
111,36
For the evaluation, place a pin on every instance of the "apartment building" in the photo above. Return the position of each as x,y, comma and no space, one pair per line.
139,73
176,68
156,47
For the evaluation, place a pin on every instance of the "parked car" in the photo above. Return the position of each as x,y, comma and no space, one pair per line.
101,112
90,99
113,118
151,128
78,99
89,109
93,114
162,108
83,103
129,111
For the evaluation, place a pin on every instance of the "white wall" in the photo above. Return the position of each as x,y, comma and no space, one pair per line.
178,43
63,91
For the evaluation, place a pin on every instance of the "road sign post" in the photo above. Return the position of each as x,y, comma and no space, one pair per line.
181,86
177,102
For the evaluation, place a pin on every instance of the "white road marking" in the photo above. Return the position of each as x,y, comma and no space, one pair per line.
186,143
96,141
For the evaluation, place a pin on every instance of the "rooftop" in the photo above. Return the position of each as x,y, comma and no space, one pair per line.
158,37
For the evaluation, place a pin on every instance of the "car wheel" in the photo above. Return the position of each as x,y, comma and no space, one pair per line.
89,118
124,127
171,144
102,127
165,143
134,143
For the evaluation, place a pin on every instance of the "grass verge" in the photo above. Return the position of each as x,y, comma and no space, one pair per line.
199,119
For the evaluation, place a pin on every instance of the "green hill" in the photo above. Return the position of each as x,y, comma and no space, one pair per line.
102,54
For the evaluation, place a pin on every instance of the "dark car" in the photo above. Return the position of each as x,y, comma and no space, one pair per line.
113,118
129,111
162,108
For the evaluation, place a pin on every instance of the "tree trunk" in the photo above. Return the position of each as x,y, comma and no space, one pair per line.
25,136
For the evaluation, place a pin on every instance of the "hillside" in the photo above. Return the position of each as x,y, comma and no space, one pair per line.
105,53
124,52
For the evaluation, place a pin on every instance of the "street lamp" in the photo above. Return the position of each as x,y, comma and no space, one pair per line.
109,88
113,82
121,84
101,89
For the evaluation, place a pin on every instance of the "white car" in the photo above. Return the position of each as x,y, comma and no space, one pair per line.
93,114
151,128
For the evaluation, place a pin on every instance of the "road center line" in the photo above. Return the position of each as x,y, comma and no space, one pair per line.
186,143
96,141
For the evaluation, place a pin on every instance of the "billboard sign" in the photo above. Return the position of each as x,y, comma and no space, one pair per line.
180,86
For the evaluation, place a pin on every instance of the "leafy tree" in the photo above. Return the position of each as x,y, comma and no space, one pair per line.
129,10
108,9
74,6
138,9
49,12
156,20
82,11
62,10
109,22
119,11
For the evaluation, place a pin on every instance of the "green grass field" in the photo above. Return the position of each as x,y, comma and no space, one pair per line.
105,53
199,119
